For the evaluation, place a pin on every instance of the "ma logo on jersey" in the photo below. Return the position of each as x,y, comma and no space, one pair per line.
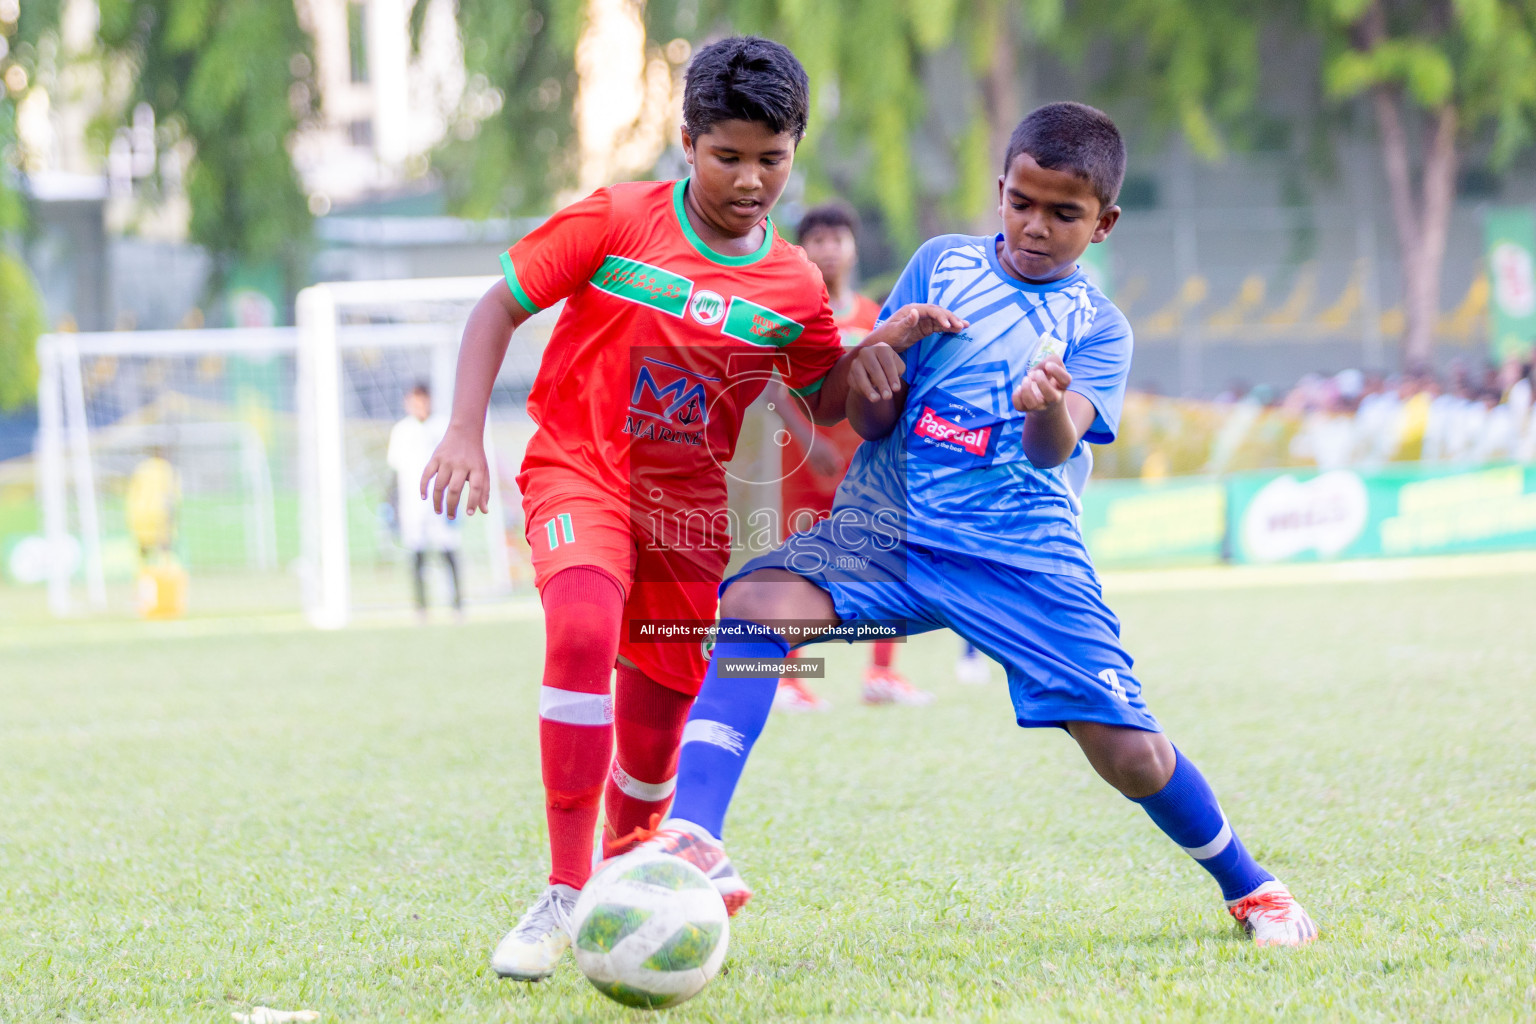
954,433
669,403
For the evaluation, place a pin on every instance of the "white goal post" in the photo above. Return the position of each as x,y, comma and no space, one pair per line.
71,449
322,310
286,489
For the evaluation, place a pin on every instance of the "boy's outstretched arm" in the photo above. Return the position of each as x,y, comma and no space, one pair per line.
459,461
1057,418
874,368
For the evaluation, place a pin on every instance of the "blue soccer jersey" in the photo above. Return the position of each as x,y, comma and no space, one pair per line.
955,461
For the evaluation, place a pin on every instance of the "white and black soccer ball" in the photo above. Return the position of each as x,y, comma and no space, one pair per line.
649,930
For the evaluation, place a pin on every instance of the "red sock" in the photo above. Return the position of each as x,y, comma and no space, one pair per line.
582,612
648,723
884,653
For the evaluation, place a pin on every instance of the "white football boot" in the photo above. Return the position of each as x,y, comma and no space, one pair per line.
1272,917
793,695
532,949
886,686
973,669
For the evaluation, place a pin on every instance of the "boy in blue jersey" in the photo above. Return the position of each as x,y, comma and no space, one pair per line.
960,510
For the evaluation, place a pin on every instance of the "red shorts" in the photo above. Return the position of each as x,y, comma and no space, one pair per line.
568,530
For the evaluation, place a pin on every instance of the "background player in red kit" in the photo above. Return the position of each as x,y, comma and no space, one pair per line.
816,456
682,302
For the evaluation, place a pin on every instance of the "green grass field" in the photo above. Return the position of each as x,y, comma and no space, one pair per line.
192,825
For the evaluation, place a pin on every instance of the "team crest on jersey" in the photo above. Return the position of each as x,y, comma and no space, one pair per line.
953,432
669,403
707,307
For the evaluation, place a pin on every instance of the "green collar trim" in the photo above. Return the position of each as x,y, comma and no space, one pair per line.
706,251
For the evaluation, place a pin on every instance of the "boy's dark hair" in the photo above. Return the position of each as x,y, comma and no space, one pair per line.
828,215
1076,138
746,78
420,388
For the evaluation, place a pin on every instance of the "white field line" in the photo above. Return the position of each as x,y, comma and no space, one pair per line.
1376,570
525,609
120,630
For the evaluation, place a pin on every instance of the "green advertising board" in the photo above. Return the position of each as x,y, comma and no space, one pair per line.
1096,263
1511,234
1128,523
1395,512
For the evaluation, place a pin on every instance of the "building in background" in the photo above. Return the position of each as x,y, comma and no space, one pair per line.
384,103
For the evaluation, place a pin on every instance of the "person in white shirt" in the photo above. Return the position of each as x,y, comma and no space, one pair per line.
422,531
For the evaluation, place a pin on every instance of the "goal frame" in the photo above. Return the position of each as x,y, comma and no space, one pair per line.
322,442
317,344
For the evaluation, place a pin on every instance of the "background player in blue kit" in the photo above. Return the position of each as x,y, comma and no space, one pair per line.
959,512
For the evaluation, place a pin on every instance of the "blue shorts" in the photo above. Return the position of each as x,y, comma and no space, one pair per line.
1053,634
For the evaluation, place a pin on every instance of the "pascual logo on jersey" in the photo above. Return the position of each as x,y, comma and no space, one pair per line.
669,403
942,431
707,307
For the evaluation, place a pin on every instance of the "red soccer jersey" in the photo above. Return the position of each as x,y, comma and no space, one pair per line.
800,488
662,345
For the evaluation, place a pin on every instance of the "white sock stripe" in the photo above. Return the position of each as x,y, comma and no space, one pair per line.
574,708
1213,847
650,792
702,730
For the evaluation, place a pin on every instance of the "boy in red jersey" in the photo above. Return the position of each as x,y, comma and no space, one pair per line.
816,457
682,302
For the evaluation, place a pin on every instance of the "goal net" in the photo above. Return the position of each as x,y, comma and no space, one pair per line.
275,441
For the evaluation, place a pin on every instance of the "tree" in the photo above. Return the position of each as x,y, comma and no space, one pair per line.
21,309
234,78
21,322
867,60
1194,64
520,56
1439,75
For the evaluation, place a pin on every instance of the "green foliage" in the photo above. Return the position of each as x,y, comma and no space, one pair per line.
222,73
39,18
520,56
1478,56
1193,63
21,309
866,60
1423,70
21,321
12,213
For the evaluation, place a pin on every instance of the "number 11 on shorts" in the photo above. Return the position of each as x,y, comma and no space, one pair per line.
559,528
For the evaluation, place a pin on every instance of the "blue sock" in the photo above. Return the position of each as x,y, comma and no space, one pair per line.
1187,811
726,720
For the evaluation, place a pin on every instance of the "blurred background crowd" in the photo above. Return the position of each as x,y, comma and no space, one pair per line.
1468,414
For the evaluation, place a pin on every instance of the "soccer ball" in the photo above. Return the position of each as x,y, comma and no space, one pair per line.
649,930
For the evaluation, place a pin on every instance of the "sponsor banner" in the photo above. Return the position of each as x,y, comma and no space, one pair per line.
1511,236
1097,262
1127,523
1395,512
